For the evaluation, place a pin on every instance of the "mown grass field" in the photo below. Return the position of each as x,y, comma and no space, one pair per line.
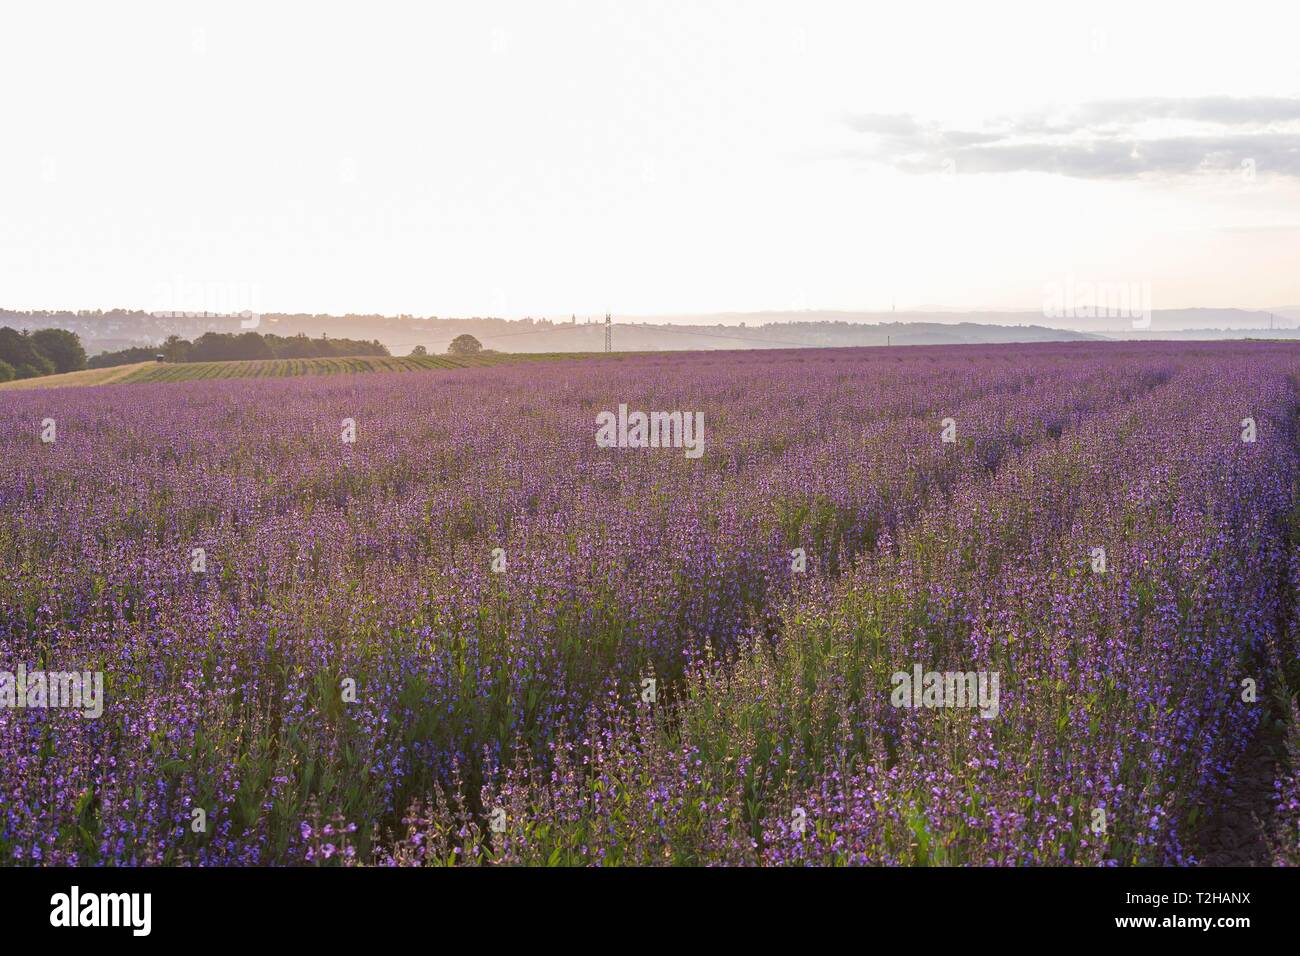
281,368
89,376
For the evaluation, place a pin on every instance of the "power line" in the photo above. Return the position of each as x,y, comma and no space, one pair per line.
609,335
500,335
740,338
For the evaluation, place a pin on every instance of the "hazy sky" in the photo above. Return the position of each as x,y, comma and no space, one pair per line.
645,157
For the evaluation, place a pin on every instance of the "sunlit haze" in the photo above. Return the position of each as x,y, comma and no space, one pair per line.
522,159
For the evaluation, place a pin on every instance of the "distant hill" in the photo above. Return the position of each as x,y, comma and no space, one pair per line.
1162,320
118,328
1290,312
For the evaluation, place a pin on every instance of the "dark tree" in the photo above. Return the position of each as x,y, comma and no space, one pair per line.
176,349
464,345
121,357
250,345
61,347
27,360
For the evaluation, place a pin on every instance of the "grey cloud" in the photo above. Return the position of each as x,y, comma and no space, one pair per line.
888,124
1100,140
957,137
1222,110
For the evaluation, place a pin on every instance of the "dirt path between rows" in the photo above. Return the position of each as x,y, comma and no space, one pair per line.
1236,833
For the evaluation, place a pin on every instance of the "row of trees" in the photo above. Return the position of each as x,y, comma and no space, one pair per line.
229,346
460,345
43,352
48,351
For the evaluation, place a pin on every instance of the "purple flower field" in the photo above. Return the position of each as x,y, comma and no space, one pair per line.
473,636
